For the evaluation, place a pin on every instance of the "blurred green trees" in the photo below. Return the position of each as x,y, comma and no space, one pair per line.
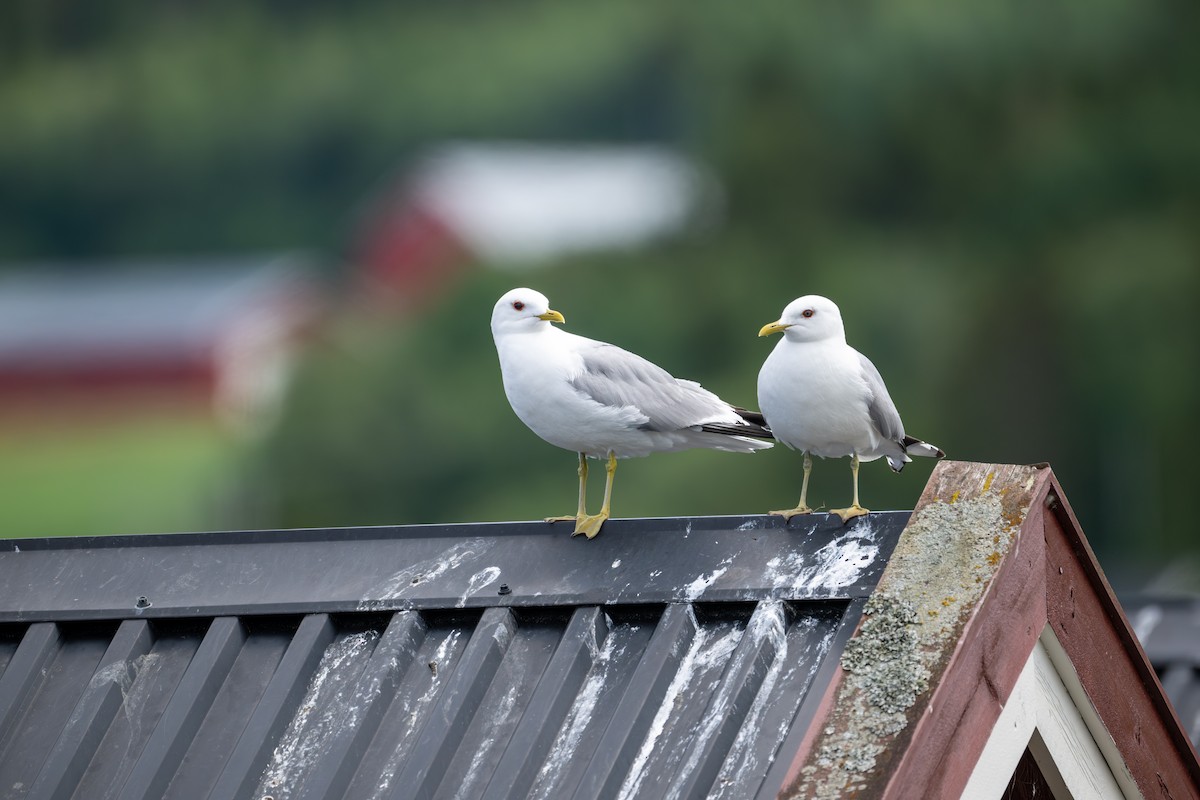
1001,195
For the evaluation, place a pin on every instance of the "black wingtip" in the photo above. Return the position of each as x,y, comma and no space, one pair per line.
755,427
749,430
753,417
923,448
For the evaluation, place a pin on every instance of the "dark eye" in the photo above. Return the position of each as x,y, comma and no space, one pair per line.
806,313
519,306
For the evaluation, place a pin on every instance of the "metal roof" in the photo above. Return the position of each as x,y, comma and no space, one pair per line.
666,658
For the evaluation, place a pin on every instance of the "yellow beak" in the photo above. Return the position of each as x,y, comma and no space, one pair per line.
774,327
552,316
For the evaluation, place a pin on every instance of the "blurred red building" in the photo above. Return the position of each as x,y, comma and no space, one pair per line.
512,205
213,337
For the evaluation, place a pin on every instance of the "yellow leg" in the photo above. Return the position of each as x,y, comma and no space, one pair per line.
583,473
589,524
855,510
802,507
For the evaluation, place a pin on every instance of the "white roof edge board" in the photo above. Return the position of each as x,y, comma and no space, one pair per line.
1049,713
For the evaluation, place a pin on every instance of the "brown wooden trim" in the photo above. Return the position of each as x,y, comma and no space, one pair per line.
1111,666
1048,575
979,677
852,753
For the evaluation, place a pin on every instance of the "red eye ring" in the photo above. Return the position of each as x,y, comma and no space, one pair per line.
519,306
806,313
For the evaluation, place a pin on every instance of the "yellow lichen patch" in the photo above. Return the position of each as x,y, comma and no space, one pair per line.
938,572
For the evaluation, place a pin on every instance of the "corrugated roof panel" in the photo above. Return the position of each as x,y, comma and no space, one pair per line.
476,695
649,702
233,703
55,669
143,696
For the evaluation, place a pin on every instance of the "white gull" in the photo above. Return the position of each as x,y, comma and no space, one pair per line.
822,397
603,402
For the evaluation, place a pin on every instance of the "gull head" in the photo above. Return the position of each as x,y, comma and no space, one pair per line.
523,310
811,318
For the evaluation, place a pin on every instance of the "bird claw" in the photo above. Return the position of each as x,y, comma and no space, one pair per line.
568,518
847,513
792,512
589,525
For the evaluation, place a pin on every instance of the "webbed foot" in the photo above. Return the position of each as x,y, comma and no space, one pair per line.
589,525
847,513
792,512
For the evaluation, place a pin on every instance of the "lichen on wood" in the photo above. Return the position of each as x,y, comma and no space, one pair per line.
959,534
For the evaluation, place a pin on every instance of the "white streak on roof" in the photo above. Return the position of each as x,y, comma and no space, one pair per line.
840,562
701,656
466,787
478,581
769,623
424,571
693,591
565,744
330,705
135,697
743,757
120,673
414,711
742,760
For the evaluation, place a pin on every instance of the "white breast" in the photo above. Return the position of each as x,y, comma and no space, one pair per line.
815,399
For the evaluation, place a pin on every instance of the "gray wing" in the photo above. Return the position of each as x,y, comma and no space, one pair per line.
880,406
617,378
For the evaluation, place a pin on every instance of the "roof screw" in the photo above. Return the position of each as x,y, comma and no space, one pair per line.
142,602
504,589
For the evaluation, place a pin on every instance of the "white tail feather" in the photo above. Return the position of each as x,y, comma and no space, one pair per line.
919,448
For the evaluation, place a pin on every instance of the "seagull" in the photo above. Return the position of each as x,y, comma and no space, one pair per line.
822,397
603,402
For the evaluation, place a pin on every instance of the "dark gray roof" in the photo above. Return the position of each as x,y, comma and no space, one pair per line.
50,315
1169,631
666,658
